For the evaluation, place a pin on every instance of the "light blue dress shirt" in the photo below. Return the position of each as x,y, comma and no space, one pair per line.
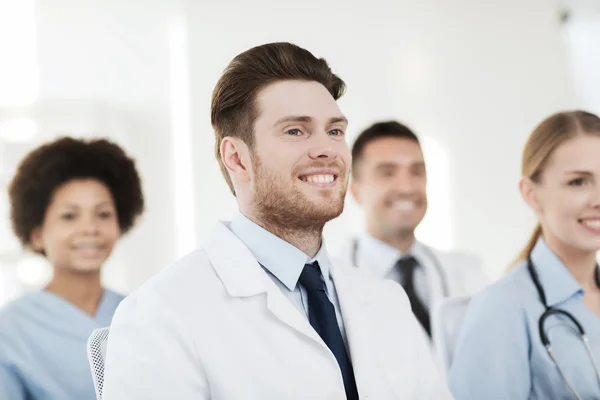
382,259
43,347
499,354
284,262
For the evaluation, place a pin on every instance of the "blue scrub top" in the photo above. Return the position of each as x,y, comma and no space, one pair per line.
499,354
43,347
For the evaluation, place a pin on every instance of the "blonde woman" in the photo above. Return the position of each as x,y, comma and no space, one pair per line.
526,336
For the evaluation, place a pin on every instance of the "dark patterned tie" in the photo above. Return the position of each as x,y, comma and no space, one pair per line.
322,317
407,265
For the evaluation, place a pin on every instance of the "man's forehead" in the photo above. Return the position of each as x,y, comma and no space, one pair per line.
394,150
401,162
300,99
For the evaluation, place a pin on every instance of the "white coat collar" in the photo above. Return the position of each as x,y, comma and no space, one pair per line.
235,265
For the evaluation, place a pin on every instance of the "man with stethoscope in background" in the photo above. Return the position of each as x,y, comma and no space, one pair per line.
389,181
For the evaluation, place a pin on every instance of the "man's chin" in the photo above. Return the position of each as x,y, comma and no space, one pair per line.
400,224
327,200
305,207
327,212
324,196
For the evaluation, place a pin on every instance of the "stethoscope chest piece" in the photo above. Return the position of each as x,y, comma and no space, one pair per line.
550,311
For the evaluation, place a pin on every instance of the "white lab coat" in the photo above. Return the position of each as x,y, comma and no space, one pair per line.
215,326
463,274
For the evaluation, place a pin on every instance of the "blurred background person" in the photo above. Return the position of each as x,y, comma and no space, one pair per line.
71,200
389,181
552,296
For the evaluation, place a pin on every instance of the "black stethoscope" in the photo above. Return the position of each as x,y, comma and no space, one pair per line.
434,259
556,311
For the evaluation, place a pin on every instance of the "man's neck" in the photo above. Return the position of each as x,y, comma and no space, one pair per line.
402,241
306,240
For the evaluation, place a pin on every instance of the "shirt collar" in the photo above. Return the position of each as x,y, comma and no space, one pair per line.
384,256
556,280
280,258
417,250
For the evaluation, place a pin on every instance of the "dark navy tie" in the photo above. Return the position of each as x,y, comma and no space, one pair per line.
407,266
322,317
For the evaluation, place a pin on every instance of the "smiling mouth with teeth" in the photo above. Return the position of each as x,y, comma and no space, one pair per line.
89,248
403,205
319,179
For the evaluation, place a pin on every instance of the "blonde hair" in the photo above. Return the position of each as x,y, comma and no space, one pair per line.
544,140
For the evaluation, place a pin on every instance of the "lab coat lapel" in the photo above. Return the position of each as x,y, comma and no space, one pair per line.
425,255
353,302
285,311
242,276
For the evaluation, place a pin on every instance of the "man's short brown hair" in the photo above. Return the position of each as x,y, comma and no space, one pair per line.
233,107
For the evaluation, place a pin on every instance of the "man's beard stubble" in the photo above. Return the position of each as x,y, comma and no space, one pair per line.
284,210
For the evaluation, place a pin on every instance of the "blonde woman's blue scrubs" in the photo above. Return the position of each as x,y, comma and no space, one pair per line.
500,355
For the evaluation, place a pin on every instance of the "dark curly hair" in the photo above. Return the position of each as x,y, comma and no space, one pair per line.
49,166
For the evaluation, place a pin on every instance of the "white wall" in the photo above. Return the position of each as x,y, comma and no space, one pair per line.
472,76
582,37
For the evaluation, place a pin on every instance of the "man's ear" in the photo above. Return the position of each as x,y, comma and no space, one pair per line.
355,191
528,190
235,155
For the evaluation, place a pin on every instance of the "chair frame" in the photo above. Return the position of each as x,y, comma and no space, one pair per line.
96,351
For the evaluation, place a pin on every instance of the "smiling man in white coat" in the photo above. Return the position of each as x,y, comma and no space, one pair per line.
259,311
389,180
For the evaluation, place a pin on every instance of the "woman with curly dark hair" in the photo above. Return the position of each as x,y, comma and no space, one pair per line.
71,201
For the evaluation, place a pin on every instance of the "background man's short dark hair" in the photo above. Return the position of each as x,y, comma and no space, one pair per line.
379,130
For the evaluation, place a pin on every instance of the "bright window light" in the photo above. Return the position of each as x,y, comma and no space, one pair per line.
436,228
181,134
34,271
18,130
